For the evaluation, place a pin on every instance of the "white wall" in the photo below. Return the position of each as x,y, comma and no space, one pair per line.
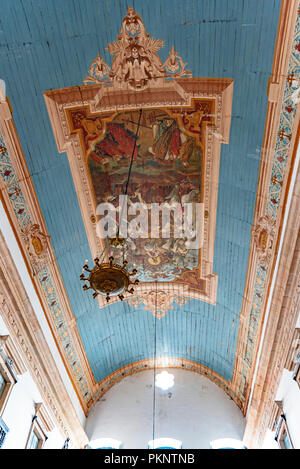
269,440
289,393
18,415
195,411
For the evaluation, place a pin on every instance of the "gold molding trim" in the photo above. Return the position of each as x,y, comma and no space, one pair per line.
161,363
65,142
260,255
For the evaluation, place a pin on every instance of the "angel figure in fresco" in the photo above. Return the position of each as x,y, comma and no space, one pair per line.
98,71
91,126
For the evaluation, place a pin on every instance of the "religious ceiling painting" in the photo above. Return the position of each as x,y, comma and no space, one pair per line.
184,121
167,167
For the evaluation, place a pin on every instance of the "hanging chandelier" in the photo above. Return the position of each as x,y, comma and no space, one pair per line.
109,278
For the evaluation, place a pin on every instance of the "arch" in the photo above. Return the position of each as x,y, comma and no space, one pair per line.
161,363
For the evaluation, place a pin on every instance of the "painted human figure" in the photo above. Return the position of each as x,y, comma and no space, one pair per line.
167,140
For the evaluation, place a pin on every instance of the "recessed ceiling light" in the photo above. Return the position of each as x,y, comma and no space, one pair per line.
164,380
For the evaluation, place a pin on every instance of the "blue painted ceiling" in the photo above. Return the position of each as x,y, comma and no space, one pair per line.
50,44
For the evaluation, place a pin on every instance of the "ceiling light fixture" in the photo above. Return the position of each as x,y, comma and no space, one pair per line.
164,380
107,278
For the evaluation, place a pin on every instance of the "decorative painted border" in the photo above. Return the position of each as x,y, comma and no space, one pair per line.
27,337
11,185
20,208
279,140
20,202
18,194
99,98
279,345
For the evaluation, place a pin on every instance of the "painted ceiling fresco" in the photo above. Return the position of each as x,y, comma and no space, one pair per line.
50,45
167,167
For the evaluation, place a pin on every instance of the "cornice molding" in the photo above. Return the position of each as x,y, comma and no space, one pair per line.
26,334
202,281
278,344
277,158
161,363
274,179
44,417
294,351
12,353
21,204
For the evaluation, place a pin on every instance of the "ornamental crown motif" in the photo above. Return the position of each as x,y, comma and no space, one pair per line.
136,64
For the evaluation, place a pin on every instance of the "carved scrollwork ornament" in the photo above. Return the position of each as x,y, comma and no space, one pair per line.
36,243
136,64
175,65
264,234
98,71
